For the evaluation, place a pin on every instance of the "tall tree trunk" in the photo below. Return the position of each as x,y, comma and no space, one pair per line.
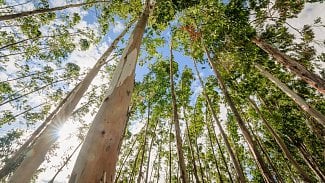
179,145
312,79
296,98
251,143
98,156
149,152
281,144
199,159
191,149
233,157
212,148
170,153
311,162
14,161
40,11
265,152
65,163
46,139
134,166
144,144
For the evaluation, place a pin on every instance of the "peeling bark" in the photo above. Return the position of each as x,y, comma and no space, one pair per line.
36,155
98,156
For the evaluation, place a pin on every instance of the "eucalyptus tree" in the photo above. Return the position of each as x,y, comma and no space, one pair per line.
179,143
233,157
109,135
44,140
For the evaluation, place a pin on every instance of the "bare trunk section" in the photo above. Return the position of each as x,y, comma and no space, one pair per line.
232,155
18,157
296,98
251,143
281,144
36,155
312,79
40,11
98,156
179,145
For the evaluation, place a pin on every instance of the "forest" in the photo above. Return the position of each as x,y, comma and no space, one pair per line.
162,91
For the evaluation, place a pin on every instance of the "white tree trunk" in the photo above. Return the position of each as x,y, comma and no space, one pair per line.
98,156
36,155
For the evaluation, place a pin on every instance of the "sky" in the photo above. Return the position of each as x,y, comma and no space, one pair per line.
86,59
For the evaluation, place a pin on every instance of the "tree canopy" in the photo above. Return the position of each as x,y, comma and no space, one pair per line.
162,91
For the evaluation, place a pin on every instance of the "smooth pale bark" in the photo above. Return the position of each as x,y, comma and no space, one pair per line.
179,145
14,161
98,156
48,137
312,79
281,144
40,11
319,117
233,157
251,143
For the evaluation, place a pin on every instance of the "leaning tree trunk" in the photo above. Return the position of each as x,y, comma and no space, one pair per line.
281,144
40,11
312,79
311,162
47,138
251,143
296,98
98,156
232,155
179,145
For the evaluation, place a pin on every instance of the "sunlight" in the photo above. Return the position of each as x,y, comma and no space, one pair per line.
65,131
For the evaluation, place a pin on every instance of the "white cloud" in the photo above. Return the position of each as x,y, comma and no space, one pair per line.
307,16
118,27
